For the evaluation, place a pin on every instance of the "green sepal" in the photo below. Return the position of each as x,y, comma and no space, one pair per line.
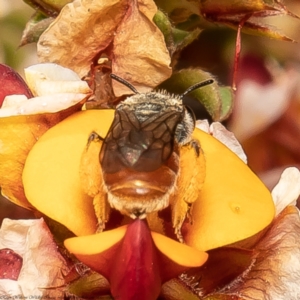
217,101
247,14
176,39
90,286
227,100
176,289
37,24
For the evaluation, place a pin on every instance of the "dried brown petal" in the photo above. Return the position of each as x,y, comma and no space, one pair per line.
144,53
248,13
95,20
121,30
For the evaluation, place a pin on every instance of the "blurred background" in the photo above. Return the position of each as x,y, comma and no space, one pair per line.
13,17
266,114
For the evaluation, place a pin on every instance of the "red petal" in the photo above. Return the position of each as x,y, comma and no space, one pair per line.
12,84
135,260
10,264
135,270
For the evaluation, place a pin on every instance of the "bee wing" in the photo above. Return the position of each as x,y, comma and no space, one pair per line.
141,146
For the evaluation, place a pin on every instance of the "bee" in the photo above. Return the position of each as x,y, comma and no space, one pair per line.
141,157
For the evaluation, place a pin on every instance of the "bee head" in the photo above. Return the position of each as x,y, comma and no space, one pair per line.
150,104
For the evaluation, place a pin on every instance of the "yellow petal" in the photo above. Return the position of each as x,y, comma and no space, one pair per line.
179,253
233,205
51,174
18,134
96,243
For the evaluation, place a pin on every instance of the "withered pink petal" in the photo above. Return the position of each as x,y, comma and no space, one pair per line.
12,83
275,273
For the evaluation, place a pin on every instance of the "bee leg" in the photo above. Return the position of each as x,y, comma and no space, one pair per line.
189,214
102,210
94,137
90,170
196,146
179,213
92,181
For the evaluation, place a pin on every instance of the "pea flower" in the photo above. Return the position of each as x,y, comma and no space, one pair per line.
233,205
231,226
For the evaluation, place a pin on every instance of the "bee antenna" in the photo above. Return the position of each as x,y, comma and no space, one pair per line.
196,86
123,81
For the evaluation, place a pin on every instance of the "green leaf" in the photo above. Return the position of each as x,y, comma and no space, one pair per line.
55,4
211,96
59,231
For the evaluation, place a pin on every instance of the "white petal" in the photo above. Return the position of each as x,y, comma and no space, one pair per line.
218,131
44,104
51,71
287,190
13,100
228,139
203,125
50,78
